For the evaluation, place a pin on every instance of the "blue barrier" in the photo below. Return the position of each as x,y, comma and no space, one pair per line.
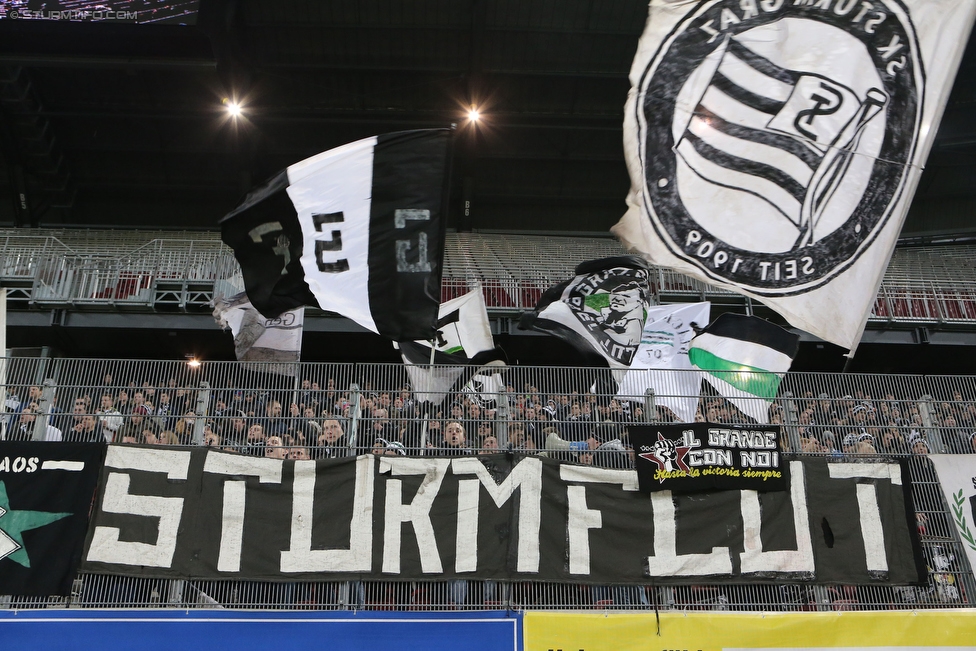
149,630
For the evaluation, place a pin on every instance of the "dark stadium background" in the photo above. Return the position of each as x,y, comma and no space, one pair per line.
106,125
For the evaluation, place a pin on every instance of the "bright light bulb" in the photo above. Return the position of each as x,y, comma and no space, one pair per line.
234,109
193,363
474,115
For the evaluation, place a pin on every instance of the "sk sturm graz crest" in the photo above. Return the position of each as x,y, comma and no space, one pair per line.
775,136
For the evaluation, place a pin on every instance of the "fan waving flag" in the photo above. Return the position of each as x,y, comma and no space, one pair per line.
600,312
774,148
357,230
463,345
744,358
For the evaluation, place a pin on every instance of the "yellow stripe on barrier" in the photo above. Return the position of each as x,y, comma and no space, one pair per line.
901,630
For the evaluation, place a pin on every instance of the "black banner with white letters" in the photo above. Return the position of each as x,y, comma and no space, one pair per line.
694,457
46,493
171,512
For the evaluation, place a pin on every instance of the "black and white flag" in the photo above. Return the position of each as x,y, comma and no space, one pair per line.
276,342
357,230
600,312
752,131
484,388
774,147
463,344
46,493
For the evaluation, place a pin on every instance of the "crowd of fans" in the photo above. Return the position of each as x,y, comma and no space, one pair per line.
320,421
317,421
857,424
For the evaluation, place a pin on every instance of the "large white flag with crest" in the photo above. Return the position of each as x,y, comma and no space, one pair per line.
774,146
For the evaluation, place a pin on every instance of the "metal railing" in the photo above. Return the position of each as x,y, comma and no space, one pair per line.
532,410
49,268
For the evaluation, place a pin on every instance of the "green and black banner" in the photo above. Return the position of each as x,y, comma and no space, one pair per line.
46,495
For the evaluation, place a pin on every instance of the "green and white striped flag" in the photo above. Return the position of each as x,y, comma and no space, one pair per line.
744,358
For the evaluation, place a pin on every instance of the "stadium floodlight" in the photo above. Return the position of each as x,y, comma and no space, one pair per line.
233,108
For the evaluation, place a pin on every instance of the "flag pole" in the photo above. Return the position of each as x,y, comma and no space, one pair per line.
430,380
446,207
850,358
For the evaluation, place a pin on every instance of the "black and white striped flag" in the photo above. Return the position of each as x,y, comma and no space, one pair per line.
357,230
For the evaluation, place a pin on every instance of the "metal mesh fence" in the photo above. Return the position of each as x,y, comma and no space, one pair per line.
314,410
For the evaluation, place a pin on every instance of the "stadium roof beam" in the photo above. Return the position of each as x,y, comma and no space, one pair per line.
52,61
446,69
573,122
